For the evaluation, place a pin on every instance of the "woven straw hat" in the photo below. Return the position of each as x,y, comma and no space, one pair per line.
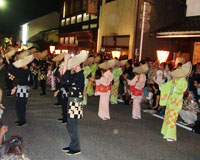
78,59
59,57
108,64
97,59
183,71
11,52
89,61
23,62
141,69
23,55
121,63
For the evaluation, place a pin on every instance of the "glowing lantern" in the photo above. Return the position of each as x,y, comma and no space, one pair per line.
57,51
116,54
64,51
162,55
52,49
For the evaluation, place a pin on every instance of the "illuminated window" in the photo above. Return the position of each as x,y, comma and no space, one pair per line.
67,21
79,18
63,22
86,17
73,20
71,40
93,17
66,40
93,25
85,27
61,40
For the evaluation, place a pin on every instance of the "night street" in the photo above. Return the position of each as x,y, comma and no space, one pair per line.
120,138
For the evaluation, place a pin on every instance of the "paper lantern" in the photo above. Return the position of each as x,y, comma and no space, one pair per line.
52,49
162,56
116,54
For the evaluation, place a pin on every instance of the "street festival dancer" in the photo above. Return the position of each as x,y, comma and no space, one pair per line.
22,73
136,86
172,96
73,77
103,87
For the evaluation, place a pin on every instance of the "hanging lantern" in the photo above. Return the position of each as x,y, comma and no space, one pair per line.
116,54
52,49
57,51
162,55
64,51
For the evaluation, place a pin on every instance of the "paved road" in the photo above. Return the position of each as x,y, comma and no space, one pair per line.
120,138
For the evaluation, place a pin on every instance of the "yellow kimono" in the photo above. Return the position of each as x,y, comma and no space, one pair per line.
172,98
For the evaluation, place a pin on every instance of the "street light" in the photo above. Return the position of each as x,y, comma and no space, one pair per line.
2,3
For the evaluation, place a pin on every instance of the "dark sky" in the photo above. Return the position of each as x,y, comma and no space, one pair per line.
18,12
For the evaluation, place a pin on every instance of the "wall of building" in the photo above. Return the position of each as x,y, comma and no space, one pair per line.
163,13
117,18
43,23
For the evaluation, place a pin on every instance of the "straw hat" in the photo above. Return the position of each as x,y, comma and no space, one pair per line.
121,63
11,52
179,60
23,62
32,50
108,64
141,69
89,61
78,59
183,71
59,57
97,59
23,55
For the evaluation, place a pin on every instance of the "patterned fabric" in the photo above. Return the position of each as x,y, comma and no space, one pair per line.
34,70
115,87
22,91
75,108
90,88
86,72
11,77
172,98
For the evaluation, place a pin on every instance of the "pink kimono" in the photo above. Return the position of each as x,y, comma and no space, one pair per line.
138,83
103,90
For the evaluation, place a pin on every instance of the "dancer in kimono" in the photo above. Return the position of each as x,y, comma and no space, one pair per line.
172,97
136,86
103,87
93,67
86,72
117,72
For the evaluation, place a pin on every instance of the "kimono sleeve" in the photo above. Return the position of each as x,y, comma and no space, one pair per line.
165,89
181,86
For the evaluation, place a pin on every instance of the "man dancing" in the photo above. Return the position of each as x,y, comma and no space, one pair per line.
75,83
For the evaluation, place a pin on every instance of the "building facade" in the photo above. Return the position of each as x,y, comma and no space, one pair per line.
79,25
34,29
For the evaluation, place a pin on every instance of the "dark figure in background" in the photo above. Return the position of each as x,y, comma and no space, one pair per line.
34,74
43,75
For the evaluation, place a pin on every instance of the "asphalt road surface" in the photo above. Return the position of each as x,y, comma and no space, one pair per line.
121,138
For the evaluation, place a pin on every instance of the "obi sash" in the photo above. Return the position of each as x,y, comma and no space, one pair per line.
102,88
135,91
